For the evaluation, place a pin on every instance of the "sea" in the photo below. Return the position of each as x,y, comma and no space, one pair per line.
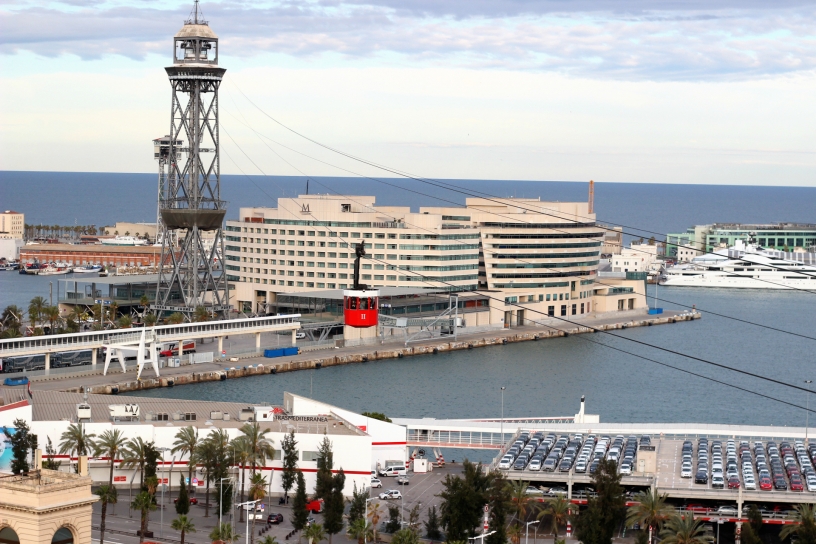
622,379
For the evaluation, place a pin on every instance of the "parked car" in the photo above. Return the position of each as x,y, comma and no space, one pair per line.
701,477
390,494
403,480
193,500
274,519
531,490
375,482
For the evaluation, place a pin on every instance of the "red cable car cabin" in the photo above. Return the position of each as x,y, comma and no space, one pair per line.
361,308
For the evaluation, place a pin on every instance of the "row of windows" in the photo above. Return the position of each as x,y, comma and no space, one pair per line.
545,246
545,265
548,236
439,236
322,285
440,268
544,256
542,275
419,247
466,257
539,225
530,285
548,297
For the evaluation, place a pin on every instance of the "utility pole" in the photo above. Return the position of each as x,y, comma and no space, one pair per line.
502,414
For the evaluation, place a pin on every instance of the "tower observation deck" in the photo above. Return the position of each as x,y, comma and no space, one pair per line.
192,275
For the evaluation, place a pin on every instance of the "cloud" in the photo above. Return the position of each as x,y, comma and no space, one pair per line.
627,39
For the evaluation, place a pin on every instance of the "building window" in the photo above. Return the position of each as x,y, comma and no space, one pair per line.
313,455
378,277
563,309
189,416
582,307
162,417
551,311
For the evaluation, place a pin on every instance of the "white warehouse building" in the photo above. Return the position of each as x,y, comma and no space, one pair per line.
360,444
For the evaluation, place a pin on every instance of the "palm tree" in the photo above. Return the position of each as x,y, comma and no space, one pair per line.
224,532
514,533
260,447
143,503
76,440
124,322
186,442
201,314
183,524
110,444
803,514
35,310
52,314
206,456
559,510
520,498
405,536
134,455
257,492
107,495
314,533
374,513
242,456
150,319
176,318
650,511
361,531
269,540
144,302
684,530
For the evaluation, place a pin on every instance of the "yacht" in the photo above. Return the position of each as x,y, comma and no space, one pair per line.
746,265
123,241
87,269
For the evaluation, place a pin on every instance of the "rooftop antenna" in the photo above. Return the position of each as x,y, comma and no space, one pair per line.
307,186
591,196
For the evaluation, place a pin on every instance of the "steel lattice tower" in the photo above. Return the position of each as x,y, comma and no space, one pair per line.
192,274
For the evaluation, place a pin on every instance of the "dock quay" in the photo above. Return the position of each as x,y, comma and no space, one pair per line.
316,357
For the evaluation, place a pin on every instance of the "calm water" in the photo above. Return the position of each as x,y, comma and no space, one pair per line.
548,378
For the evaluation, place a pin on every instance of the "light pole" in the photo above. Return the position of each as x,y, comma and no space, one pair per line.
247,518
161,521
502,415
221,500
474,538
527,531
807,410
365,527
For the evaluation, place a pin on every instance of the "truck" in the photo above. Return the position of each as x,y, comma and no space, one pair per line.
315,506
171,348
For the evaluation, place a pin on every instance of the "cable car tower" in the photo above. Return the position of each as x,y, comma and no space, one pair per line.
192,274
161,152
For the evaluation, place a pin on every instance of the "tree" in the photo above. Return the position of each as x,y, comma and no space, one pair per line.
242,455
684,530
358,504
184,525
143,503
150,319
107,495
21,442
749,535
558,510
257,492
299,513
268,539
335,505
52,315
290,462
361,531
110,444
224,496
325,464
201,314
597,524
186,442
176,318
259,446
124,322
393,524
463,498
183,501
314,533
74,440
144,302
224,532
220,466
50,462
804,524
377,415
405,536
134,455
521,500
35,310
206,456
514,533
432,525
755,518
501,505
375,514
650,511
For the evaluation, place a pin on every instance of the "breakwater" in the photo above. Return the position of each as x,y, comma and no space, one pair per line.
312,360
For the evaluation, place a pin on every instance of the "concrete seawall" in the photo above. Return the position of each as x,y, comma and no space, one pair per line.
269,366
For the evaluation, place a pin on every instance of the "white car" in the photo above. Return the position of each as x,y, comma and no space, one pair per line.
750,483
375,482
531,490
686,472
390,494
506,462
811,483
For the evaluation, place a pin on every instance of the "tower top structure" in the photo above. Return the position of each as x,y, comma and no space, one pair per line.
195,43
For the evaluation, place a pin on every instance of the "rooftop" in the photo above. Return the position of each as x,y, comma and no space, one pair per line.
43,481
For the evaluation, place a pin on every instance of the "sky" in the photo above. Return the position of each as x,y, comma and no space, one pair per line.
666,91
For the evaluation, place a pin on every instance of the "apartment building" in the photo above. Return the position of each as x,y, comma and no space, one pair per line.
541,255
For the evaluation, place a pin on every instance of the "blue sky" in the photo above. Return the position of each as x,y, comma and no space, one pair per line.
665,91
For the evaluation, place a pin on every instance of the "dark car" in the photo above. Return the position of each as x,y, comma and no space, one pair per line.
780,484
701,477
274,519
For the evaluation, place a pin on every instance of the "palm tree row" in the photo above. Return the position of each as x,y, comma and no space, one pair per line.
60,231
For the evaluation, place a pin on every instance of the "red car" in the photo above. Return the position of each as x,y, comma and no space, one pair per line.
697,508
733,482
796,484
193,500
765,484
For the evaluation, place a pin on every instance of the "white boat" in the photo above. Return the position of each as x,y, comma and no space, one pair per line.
123,241
87,269
55,269
746,266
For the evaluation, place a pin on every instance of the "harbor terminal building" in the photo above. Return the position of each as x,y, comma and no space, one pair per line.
543,256
699,239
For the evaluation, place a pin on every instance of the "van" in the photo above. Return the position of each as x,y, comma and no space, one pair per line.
393,471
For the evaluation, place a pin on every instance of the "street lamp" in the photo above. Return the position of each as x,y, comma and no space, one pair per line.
807,410
502,415
481,536
247,518
527,531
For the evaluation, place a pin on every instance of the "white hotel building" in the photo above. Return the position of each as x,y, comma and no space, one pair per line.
543,255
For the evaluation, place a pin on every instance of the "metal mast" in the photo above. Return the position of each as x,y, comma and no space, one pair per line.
192,274
161,152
